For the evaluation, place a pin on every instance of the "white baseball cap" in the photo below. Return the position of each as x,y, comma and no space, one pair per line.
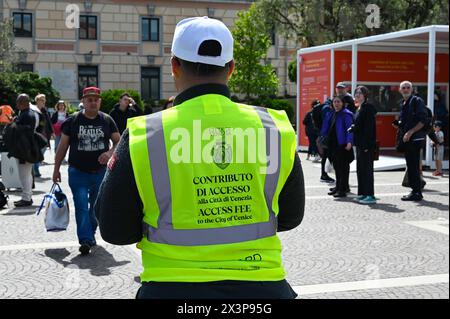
192,32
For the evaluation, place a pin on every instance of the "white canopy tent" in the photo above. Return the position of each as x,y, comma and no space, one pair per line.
432,39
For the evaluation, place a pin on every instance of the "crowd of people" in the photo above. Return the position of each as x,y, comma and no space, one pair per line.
344,128
85,134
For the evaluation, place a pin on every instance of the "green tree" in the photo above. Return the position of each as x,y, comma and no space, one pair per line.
13,84
253,76
8,50
292,71
111,98
325,21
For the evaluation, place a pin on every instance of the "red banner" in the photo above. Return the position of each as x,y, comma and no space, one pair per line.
314,84
389,67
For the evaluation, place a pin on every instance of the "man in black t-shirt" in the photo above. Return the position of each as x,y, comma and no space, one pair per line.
87,134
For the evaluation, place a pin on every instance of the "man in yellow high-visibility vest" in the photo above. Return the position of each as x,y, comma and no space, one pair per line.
205,185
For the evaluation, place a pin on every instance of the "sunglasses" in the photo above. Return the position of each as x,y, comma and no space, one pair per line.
405,87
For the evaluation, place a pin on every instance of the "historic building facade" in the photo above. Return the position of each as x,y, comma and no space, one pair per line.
119,44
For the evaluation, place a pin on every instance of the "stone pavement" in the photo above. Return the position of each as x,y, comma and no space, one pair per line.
341,250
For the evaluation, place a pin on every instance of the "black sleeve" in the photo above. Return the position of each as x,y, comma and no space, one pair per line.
54,118
27,119
119,207
291,201
66,127
370,136
305,119
112,124
364,129
48,123
421,112
138,110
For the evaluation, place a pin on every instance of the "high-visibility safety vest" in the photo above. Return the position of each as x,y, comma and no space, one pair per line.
209,173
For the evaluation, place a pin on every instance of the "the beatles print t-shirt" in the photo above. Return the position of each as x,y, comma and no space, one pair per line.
89,138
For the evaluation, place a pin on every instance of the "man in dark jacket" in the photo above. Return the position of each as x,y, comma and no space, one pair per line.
413,118
124,110
319,113
341,90
311,131
26,118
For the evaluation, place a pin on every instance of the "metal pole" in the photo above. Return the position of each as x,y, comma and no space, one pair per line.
299,92
431,79
354,67
332,74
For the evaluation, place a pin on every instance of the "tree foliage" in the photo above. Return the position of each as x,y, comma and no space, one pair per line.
111,98
253,76
292,71
325,21
13,84
8,51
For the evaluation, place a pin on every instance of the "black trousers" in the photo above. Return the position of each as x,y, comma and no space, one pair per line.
412,156
228,289
341,166
323,162
364,171
312,147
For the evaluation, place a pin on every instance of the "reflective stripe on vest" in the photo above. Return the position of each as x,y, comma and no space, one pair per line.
166,234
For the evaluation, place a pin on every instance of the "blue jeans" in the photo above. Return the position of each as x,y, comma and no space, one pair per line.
84,187
36,165
57,140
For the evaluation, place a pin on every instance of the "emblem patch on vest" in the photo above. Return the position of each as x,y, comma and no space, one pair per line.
222,153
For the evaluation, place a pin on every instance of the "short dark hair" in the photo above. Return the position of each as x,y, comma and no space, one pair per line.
210,48
339,97
315,102
124,94
364,91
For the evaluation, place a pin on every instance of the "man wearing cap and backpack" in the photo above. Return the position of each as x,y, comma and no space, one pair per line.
87,133
205,222
341,90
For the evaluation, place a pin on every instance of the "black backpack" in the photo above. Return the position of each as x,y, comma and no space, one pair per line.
428,126
317,116
3,200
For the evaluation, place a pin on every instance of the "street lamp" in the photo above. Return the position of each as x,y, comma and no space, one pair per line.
22,4
22,56
150,59
88,57
151,9
88,5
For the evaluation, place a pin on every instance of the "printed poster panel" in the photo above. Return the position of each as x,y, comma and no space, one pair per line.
314,84
389,67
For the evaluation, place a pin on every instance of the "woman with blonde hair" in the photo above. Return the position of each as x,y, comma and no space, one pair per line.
58,119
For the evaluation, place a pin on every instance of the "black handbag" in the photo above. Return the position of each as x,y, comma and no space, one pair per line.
401,145
3,200
325,140
376,151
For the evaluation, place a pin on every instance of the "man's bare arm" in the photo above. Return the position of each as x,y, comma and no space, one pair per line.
59,157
